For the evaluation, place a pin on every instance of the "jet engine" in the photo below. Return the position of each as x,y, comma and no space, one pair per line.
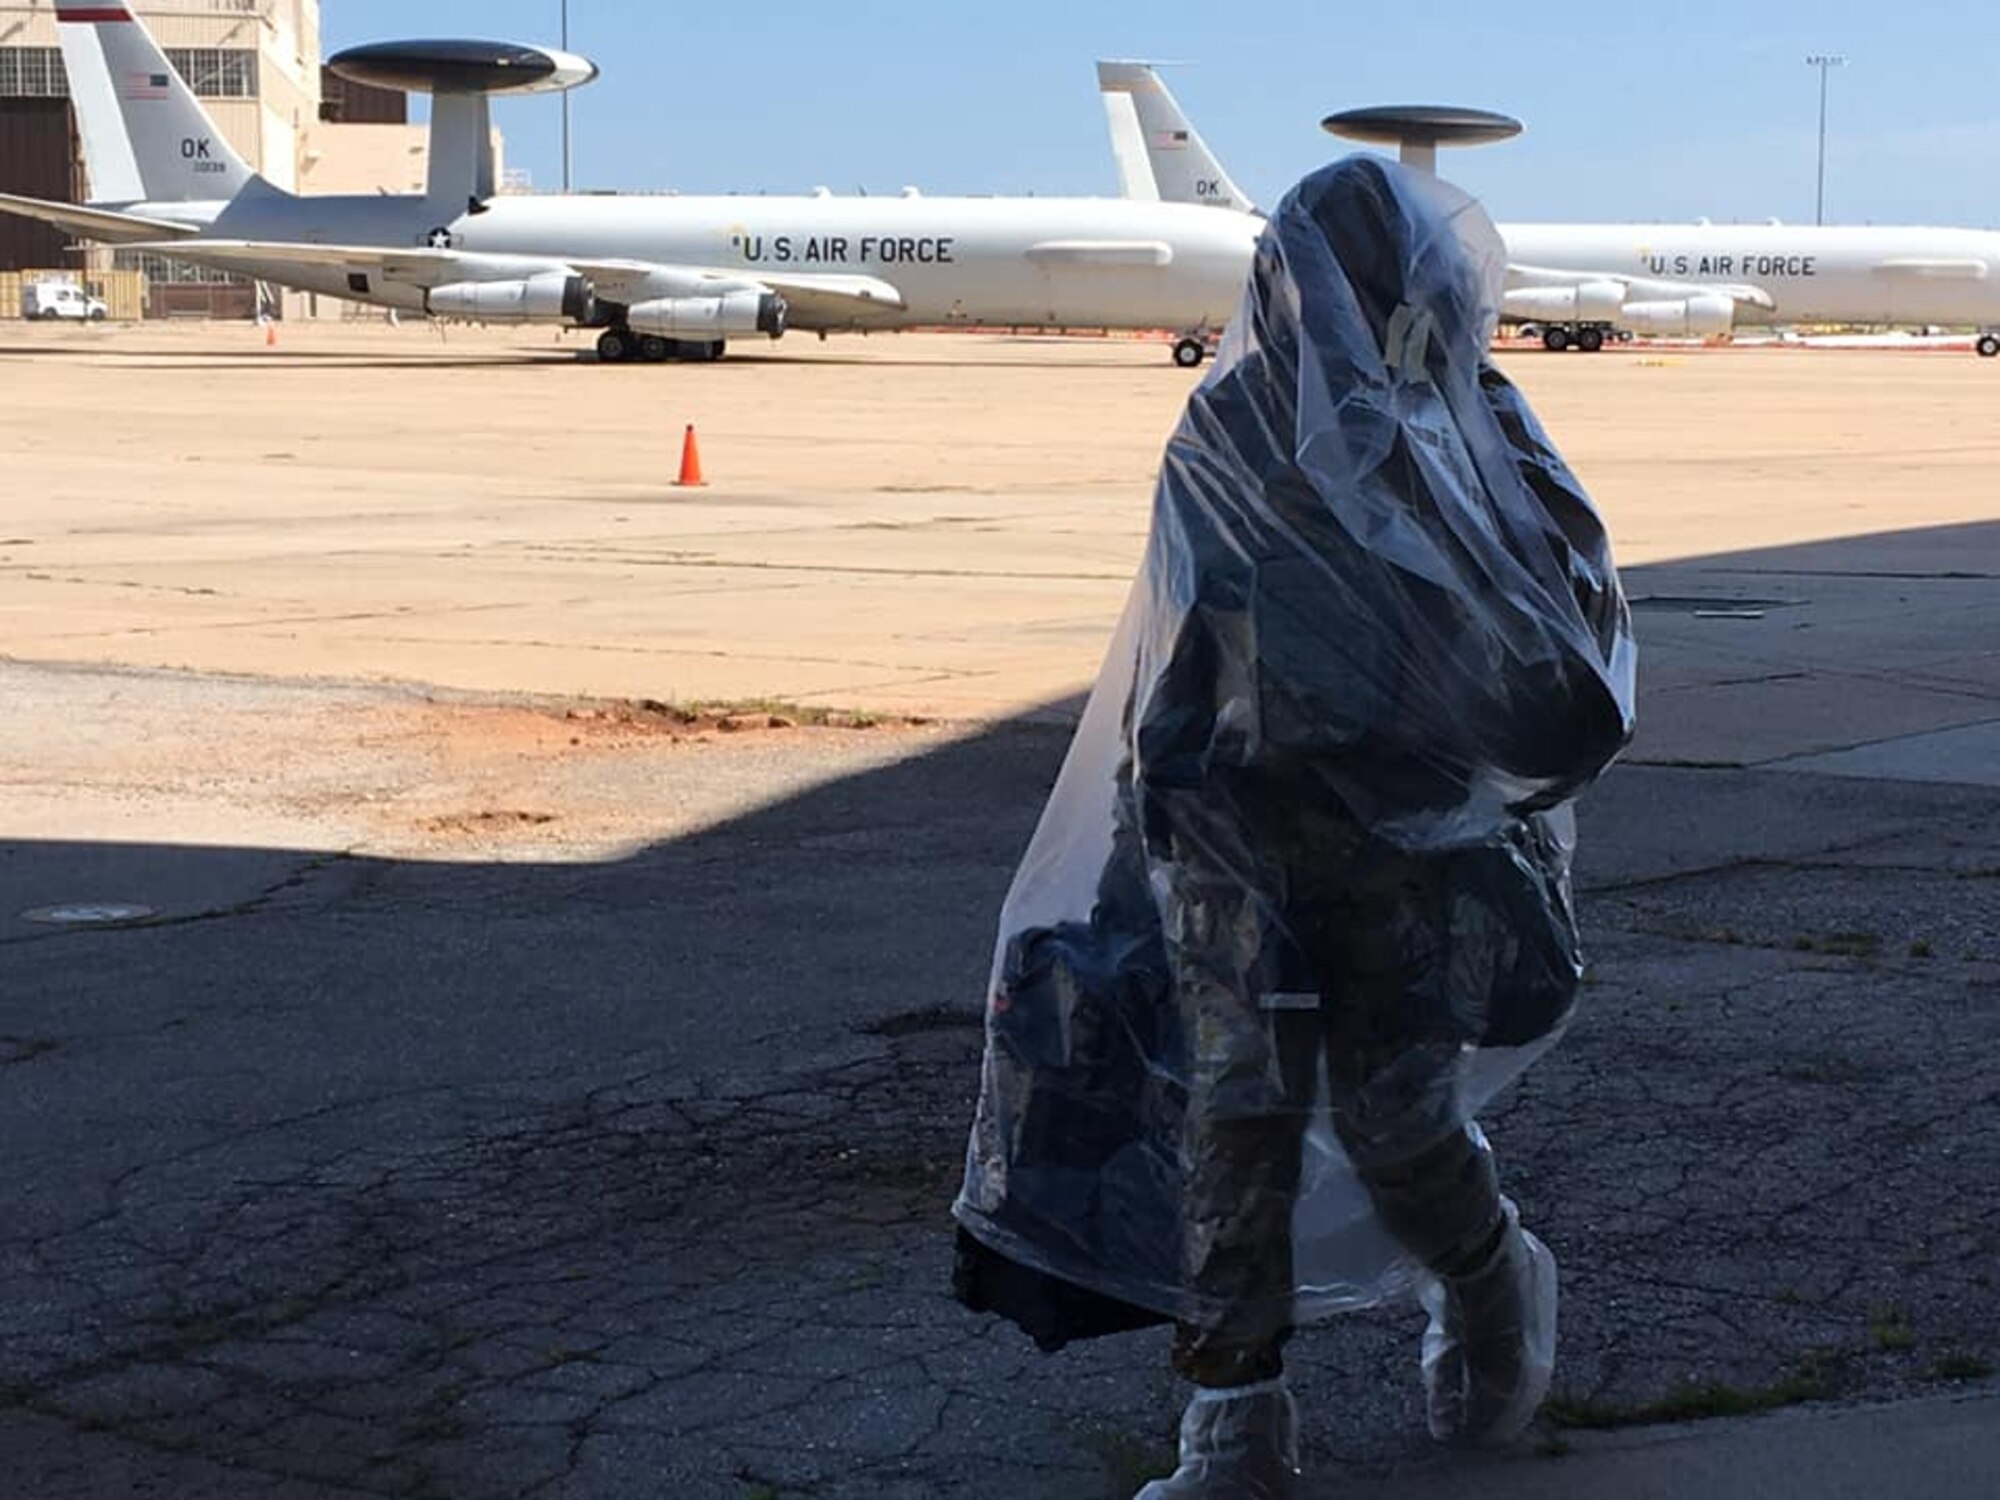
719,317
1704,315
553,296
1590,302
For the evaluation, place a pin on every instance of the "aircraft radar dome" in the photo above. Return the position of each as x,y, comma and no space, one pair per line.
462,67
1417,130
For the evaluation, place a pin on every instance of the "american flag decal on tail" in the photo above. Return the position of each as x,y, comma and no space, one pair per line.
1171,140
145,86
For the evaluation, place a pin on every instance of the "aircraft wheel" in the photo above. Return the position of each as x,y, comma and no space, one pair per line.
1988,345
1188,353
714,349
615,346
1555,340
1590,340
653,349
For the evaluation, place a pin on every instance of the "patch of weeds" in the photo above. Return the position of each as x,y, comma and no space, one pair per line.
727,715
438,1419
1695,1401
284,1313
776,713
1920,949
1132,1461
1958,1365
198,1331
1811,1379
20,1049
1587,1413
1696,932
939,1017
1889,1328
1837,1071
1840,944
762,1491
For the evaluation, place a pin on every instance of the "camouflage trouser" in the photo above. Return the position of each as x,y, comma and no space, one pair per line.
1362,991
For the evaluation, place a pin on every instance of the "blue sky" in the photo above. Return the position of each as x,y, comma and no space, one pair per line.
1668,111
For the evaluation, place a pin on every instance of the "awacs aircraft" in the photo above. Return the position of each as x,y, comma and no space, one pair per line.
1580,282
661,277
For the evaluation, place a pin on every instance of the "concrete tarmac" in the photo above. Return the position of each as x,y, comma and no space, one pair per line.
907,524
511,1092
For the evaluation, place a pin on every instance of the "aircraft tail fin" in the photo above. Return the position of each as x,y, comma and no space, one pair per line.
1149,127
146,138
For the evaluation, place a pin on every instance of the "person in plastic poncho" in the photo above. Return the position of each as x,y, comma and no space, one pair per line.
1299,904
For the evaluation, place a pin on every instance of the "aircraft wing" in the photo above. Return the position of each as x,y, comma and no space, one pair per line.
814,298
103,224
414,266
1642,288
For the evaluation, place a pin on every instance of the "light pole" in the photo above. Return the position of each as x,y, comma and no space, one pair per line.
565,100
1825,62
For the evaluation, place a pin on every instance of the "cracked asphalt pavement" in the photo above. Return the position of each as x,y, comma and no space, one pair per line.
412,1178
513,1099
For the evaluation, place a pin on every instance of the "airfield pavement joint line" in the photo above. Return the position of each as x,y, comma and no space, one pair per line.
690,475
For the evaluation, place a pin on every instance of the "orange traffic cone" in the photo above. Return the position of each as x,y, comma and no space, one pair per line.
690,462
270,335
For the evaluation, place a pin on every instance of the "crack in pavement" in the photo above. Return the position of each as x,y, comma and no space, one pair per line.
1751,1160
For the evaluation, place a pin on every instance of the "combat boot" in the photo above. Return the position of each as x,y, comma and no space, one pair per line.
1240,1444
1490,1349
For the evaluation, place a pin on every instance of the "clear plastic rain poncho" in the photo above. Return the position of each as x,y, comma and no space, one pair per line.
1299,903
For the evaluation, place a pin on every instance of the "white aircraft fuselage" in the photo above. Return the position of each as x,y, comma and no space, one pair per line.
1578,280
1095,262
1813,273
660,276
1082,261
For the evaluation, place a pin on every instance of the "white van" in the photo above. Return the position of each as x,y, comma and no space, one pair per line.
60,299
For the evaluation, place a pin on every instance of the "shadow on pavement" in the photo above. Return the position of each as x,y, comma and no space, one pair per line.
346,1176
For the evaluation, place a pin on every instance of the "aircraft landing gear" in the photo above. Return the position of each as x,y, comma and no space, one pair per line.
1987,346
620,345
1588,337
1189,352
